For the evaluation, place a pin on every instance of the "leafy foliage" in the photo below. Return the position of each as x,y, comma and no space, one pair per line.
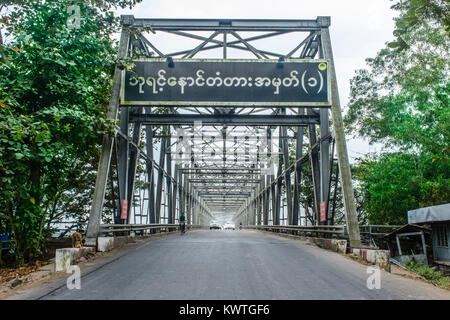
430,273
438,11
54,88
402,101
394,183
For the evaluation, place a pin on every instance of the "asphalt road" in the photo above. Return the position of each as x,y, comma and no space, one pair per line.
237,265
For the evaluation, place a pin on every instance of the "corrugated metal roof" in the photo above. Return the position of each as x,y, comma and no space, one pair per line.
408,228
430,214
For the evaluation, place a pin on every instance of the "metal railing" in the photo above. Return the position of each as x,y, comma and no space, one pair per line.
142,228
338,231
373,235
4,248
369,233
378,230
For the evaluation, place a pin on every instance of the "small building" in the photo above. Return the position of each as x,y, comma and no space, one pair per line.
439,219
408,243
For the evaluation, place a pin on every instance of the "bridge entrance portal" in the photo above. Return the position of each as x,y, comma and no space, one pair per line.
228,120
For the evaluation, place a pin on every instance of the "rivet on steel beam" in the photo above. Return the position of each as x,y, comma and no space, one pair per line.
170,62
280,63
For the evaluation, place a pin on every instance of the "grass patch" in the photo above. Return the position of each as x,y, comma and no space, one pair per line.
430,273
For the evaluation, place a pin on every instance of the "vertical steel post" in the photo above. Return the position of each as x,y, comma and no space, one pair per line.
105,156
189,203
185,190
150,171
333,210
113,193
258,204
116,160
276,216
169,182
272,193
324,159
132,166
298,172
270,179
287,174
180,193
224,44
175,193
162,157
315,167
265,204
330,179
123,159
255,211
341,145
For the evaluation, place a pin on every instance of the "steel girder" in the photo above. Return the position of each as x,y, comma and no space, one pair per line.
194,186
222,119
229,24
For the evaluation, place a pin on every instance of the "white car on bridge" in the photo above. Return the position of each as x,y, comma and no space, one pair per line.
215,225
229,226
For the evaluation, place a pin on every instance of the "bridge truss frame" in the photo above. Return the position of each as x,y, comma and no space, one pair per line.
199,190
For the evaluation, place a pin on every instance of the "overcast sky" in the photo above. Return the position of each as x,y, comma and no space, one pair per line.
359,28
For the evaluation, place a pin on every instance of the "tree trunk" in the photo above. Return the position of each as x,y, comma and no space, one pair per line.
35,172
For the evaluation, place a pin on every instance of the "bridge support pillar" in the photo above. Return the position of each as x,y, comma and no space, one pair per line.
298,173
341,146
315,167
150,171
105,156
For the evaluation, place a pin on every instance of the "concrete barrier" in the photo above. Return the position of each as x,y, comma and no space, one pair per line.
105,244
69,256
377,257
336,245
122,240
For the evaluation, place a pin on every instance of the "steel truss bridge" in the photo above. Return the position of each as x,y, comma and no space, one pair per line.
241,163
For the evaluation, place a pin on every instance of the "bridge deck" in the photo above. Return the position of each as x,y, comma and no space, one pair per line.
212,264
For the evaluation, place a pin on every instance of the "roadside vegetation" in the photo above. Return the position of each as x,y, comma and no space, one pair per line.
55,80
430,273
401,101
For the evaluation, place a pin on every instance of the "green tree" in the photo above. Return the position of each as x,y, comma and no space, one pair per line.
54,87
402,101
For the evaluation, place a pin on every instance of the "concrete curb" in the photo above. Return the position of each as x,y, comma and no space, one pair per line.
378,257
69,256
336,245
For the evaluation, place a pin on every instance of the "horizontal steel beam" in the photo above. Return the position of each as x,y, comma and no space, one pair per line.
224,201
203,181
223,191
215,194
227,206
228,24
222,188
220,169
201,174
222,119
218,179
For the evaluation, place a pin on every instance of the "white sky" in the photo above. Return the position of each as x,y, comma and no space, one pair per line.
359,28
